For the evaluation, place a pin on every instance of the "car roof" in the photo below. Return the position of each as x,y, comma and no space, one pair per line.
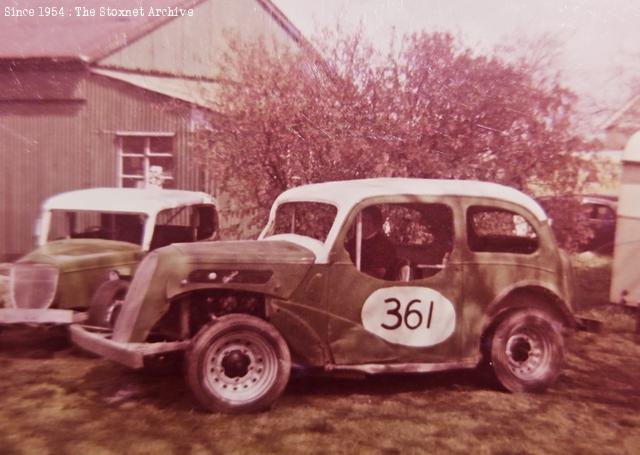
605,199
349,192
125,200
601,198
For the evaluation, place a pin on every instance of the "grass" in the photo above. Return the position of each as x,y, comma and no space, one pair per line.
57,400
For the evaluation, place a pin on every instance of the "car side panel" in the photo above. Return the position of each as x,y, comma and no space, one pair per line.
491,276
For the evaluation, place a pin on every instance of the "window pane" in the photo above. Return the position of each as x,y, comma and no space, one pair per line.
403,242
311,219
132,144
161,168
174,226
128,182
133,165
97,225
175,217
161,145
605,213
493,229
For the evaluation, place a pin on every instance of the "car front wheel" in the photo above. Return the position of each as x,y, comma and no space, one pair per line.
527,351
238,364
106,303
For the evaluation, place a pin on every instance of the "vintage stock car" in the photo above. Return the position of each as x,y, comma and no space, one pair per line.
371,276
89,244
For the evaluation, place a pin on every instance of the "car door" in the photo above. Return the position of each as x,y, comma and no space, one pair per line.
409,314
504,249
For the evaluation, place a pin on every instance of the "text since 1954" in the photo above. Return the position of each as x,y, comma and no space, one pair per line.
12,11
103,11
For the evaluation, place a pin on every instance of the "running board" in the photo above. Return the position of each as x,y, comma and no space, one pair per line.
384,368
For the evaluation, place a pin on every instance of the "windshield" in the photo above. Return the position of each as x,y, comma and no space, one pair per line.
309,219
125,227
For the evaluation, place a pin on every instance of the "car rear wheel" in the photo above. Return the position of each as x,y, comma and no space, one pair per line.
238,364
106,303
527,351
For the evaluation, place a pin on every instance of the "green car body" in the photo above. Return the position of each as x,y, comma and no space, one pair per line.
54,283
331,314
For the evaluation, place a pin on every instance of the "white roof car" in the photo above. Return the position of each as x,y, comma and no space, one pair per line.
125,200
148,202
347,193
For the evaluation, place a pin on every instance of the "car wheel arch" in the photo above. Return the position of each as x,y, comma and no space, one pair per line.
526,295
519,299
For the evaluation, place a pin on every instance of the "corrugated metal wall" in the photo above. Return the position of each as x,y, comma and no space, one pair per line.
50,146
194,45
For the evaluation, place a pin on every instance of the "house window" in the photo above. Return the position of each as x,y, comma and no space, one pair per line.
145,160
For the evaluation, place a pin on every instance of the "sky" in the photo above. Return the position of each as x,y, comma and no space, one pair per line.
598,40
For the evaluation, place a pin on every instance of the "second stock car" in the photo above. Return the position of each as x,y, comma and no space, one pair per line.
597,213
90,242
371,276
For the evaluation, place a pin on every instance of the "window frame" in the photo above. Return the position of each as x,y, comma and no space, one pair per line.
470,231
146,156
354,220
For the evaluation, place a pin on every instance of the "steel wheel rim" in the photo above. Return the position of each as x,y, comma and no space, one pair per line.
240,367
528,354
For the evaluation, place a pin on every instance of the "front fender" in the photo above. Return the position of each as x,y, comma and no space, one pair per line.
166,274
306,346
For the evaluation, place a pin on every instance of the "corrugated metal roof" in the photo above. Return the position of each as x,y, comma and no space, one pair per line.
76,37
199,92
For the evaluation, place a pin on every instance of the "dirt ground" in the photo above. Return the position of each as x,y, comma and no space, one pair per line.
58,400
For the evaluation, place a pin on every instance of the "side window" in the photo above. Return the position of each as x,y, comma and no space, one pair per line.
174,226
496,230
401,242
310,219
206,221
602,212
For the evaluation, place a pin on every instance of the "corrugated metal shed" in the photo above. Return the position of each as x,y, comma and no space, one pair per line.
75,88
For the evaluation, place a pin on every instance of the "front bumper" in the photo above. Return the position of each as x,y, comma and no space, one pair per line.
98,341
40,316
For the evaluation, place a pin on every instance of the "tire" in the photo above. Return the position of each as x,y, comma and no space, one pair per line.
106,303
527,351
237,364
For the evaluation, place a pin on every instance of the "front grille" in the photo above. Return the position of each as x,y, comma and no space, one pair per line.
32,285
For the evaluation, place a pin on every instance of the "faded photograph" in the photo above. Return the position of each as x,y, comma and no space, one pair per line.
285,226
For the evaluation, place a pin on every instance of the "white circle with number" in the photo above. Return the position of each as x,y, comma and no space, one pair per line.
411,316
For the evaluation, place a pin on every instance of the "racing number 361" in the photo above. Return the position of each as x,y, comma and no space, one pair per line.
412,317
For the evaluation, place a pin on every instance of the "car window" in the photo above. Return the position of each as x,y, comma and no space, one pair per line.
401,242
310,219
603,212
492,229
183,224
96,225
